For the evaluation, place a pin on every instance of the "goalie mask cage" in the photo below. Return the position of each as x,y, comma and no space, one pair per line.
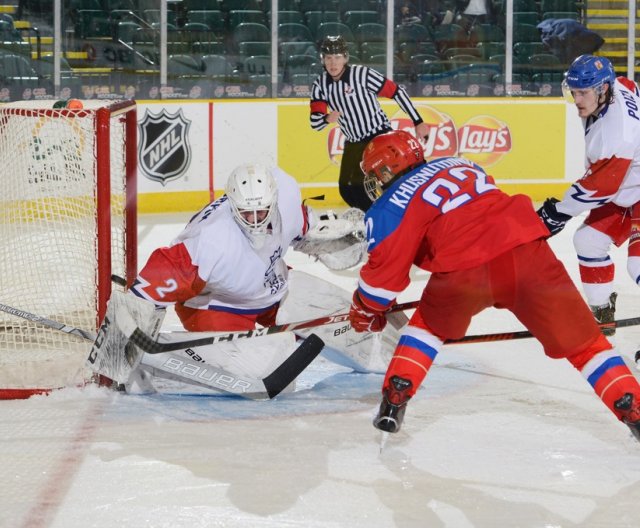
67,222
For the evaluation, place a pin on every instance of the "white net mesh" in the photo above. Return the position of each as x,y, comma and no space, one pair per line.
49,236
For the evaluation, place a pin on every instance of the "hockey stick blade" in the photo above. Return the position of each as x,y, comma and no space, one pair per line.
525,334
89,336
291,368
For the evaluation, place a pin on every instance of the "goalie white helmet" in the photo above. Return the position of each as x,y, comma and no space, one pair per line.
252,193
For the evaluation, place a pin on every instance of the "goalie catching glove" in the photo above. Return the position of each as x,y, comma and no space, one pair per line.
553,219
365,319
336,241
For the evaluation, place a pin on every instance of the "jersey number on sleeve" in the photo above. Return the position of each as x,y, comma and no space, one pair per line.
171,286
444,192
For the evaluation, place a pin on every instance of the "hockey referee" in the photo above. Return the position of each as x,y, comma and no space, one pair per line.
351,92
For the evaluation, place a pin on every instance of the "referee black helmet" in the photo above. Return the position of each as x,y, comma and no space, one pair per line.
334,45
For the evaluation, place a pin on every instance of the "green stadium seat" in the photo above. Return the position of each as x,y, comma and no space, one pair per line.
318,5
297,48
250,32
558,5
354,18
235,5
257,65
153,16
370,32
526,33
240,16
126,31
487,49
561,14
183,64
289,17
294,33
370,49
411,33
486,33
201,5
522,50
216,66
526,17
215,19
315,18
254,48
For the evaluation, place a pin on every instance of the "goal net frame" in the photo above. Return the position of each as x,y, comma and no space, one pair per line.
107,134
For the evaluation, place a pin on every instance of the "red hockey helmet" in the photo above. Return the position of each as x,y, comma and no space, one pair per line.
387,157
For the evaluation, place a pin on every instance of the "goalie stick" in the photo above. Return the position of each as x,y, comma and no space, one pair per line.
271,385
152,346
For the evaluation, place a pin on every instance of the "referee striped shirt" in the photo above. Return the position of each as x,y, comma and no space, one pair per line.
355,96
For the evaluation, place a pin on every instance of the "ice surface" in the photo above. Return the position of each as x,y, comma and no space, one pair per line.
499,436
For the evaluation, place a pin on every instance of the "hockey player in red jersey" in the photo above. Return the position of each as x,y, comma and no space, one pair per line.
226,270
483,248
610,188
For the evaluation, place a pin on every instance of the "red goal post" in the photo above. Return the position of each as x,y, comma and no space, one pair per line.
68,221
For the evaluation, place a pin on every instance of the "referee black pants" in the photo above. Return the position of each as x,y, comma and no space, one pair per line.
351,181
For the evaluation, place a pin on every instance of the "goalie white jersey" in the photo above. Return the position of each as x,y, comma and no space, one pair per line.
213,265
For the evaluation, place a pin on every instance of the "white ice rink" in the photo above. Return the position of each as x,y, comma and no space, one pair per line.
498,436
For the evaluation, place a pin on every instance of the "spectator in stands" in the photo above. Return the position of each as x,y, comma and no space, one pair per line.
407,13
348,95
567,39
427,12
472,12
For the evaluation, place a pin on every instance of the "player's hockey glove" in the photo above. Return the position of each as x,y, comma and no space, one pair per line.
552,218
363,318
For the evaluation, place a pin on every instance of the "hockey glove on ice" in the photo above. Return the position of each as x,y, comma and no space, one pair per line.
363,318
552,218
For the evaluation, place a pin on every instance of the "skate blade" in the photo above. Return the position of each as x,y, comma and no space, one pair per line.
383,440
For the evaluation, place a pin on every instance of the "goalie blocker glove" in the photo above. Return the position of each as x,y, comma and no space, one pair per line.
552,218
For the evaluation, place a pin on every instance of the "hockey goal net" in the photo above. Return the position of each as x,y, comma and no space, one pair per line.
67,223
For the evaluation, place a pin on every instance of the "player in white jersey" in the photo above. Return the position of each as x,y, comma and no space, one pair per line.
226,270
610,188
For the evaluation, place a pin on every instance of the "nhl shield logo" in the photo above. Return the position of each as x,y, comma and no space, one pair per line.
165,152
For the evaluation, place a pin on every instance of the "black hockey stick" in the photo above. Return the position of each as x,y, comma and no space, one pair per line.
152,346
524,334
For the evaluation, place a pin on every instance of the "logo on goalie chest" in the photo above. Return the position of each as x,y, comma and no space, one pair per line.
165,152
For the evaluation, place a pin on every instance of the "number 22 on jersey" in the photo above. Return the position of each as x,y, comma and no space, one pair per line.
456,186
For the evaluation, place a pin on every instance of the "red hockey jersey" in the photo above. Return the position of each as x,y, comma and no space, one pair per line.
446,215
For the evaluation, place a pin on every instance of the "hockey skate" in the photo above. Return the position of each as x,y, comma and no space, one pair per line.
630,413
606,314
393,405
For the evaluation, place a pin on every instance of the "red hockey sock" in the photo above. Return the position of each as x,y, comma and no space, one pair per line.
411,361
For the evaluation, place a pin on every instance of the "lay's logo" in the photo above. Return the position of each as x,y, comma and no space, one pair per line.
483,139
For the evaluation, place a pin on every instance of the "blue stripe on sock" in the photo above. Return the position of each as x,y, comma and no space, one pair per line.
418,345
594,259
610,363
